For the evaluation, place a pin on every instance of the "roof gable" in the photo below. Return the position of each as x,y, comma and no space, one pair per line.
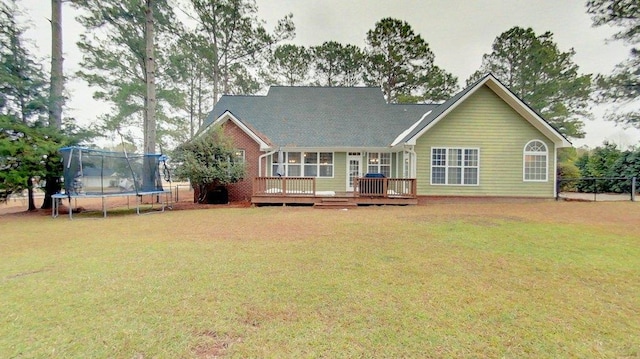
247,129
505,94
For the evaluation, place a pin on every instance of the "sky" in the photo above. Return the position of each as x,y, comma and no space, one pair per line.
458,32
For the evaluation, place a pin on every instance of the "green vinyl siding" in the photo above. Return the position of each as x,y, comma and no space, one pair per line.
484,121
339,179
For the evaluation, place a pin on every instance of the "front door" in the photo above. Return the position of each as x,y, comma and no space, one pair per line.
354,168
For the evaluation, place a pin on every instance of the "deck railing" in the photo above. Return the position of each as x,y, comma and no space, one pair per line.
385,187
363,187
284,186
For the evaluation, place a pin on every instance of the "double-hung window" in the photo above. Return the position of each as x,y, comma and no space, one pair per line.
379,162
455,166
318,164
239,156
305,164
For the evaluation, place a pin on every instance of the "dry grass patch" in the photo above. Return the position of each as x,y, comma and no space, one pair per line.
541,279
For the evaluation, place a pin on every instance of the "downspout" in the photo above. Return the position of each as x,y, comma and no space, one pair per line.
260,161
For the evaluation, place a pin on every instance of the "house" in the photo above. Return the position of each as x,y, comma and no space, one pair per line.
305,143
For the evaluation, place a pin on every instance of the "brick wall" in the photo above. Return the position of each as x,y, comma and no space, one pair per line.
242,191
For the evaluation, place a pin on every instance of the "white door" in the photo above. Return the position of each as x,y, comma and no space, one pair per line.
354,169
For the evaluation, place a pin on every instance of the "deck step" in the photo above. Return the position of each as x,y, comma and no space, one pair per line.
333,203
335,199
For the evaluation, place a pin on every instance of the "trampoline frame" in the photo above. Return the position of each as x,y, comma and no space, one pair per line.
137,192
55,208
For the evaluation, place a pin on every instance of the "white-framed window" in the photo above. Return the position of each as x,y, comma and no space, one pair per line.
379,162
305,164
455,166
535,162
239,155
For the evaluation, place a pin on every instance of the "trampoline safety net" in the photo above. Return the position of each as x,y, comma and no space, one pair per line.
99,172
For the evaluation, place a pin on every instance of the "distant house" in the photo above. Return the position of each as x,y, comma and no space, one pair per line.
304,144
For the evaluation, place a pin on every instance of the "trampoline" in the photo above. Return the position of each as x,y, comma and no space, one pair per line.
94,173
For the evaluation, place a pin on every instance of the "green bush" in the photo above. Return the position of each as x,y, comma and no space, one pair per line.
566,171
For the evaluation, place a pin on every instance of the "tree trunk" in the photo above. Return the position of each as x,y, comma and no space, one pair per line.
200,99
56,89
149,126
32,205
192,105
150,101
51,187
57,76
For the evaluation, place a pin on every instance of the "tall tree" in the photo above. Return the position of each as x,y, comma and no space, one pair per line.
57,76
28,148
352,66
115,61
400,61
237,42
189,73
22,81
336,64
28,152
289,65
540,74
623,85
150,80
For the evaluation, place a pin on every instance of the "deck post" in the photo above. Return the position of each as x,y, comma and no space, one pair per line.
284,186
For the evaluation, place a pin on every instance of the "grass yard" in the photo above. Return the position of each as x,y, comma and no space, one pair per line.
513,280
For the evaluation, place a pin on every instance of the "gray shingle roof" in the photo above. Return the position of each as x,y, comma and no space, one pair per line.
322,116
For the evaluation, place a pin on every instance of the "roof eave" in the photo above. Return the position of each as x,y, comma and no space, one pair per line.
513,101
228,116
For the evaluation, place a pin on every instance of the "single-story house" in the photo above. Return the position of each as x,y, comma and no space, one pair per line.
303,144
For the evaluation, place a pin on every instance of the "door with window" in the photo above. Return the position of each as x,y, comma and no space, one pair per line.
354,169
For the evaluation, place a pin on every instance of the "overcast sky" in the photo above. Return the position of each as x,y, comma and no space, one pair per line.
458,32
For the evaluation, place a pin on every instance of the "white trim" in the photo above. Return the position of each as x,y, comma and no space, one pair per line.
349,157
446,166
408,130
556,190
379,164
546,167
260,158
413,162
509,98
226,116
526,112
302,164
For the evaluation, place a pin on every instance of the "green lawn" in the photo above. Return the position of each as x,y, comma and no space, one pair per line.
536,280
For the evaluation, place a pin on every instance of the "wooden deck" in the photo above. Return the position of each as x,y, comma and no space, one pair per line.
303,191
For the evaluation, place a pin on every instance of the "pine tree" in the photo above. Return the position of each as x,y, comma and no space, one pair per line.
541,75
623,85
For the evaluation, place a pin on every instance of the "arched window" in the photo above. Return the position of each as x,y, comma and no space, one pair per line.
535,161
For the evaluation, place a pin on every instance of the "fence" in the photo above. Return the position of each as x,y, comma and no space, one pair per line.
598,188
182,192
